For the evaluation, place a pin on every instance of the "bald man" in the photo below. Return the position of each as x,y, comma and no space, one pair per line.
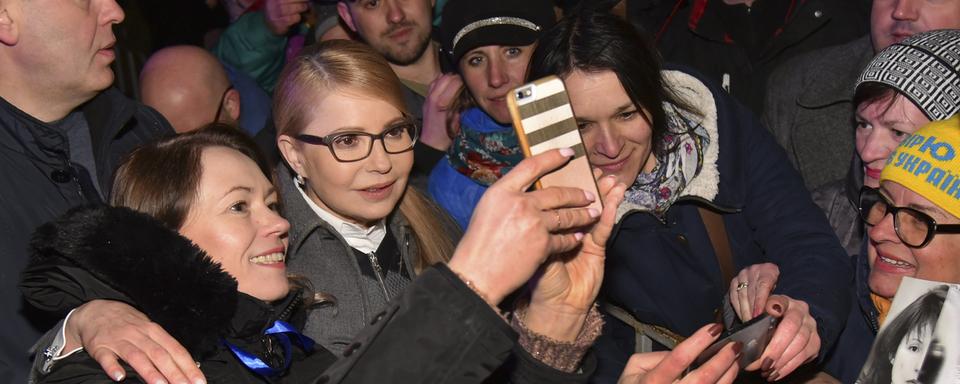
189,87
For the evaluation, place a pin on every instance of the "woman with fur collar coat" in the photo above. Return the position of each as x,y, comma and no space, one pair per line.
115,253
227,305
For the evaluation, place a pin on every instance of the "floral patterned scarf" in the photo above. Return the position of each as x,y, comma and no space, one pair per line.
484,150
680,161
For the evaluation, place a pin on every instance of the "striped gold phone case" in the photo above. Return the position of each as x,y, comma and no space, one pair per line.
544,120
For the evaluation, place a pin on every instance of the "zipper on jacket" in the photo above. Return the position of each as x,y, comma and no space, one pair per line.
379,272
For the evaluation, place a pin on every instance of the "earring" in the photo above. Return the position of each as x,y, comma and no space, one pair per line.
300,181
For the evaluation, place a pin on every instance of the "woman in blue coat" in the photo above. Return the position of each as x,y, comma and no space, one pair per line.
689,152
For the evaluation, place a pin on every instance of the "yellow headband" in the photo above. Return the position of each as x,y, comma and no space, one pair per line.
928,163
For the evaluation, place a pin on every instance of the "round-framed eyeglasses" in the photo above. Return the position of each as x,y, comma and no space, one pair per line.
914,228
347,147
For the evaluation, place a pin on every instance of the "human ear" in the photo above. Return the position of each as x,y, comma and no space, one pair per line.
231,104
9,33
291,153
344,11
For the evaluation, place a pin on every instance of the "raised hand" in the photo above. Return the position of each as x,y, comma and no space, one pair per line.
512,231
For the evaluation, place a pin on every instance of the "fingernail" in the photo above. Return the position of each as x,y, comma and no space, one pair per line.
566,152
161,381
593,212
767,363
199,381
773,376
578,236
117,376
589,195
715,330
777,308
736,348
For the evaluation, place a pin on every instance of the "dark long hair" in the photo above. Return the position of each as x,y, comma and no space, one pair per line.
920,314
592,41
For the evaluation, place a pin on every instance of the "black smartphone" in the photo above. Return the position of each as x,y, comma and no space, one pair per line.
754,335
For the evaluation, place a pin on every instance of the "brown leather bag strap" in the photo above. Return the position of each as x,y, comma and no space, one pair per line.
721,245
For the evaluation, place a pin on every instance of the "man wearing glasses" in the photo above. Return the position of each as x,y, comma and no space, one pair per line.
189,87
913,229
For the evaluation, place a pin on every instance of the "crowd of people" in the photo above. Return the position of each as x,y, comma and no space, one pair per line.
318,191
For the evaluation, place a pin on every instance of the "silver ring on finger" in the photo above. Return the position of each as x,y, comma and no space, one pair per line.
742,285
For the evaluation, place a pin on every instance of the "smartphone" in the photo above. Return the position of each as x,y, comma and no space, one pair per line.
544,120
754,335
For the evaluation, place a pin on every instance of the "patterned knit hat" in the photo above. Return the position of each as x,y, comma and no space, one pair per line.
925,68
928,163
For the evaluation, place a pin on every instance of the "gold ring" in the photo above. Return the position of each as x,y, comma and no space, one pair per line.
742,285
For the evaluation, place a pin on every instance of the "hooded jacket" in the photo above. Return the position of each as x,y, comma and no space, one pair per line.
119,254
40,183
665,272
438,330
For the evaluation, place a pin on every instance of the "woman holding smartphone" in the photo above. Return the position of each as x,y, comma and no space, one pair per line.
689,153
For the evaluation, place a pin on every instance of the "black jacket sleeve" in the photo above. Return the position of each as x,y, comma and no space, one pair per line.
439,331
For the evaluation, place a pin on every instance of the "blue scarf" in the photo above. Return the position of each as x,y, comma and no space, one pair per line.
282,331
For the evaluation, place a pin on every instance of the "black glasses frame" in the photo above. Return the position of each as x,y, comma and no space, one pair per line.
932,227
328,139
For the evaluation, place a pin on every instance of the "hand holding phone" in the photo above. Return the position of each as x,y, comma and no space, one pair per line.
544,120
753,335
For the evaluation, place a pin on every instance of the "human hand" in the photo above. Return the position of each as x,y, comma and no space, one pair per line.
281,15
663,367
566,290
437,114
794,343
750,289
109,330
512,231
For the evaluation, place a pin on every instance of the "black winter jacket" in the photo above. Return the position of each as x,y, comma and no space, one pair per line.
438,330
696,36
40,184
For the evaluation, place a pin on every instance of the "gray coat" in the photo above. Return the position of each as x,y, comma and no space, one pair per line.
809,109
318,252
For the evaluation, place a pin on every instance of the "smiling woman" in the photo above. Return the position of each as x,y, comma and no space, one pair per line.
230,304
490,42
709,189
358,232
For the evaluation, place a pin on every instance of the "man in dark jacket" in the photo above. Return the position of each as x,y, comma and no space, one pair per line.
737,43
809,105
61,135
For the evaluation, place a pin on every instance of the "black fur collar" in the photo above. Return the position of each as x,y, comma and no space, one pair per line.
151,267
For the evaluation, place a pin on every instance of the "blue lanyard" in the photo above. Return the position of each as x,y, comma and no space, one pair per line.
282,332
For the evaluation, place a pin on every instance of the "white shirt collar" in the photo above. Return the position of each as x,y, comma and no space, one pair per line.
366,240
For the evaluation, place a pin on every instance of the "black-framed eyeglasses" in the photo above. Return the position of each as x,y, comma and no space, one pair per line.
223,97
355,146
916,229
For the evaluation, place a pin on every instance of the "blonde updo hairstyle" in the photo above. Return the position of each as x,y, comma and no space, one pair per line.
352,67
